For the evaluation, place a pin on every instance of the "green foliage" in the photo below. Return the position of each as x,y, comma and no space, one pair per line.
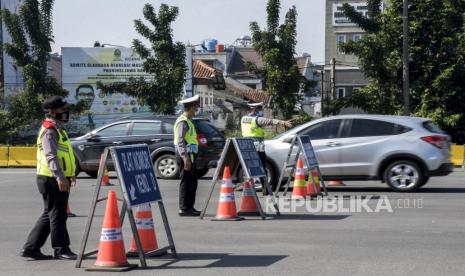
31,33
165,61
302,118
276,46
437,55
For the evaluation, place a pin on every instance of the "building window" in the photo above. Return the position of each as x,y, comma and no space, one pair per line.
355,89
340,92
357,37
340,39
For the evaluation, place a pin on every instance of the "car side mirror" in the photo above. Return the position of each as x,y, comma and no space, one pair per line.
288,139
93,138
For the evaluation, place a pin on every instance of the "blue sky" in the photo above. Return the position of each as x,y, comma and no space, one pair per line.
81,22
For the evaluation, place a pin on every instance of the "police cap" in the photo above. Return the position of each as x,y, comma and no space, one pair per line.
55,102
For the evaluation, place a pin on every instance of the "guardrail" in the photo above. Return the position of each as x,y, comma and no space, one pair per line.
26,156
18,156
457,153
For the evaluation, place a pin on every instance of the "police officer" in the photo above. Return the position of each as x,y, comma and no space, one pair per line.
55,174
186,144
252,127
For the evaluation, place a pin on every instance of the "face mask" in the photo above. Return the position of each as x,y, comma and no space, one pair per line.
63,116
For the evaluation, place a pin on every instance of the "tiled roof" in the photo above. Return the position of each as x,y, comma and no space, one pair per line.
202,70
256,95
241,56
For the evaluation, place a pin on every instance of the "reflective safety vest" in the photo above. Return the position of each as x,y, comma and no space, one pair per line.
191,135
65,155
250,128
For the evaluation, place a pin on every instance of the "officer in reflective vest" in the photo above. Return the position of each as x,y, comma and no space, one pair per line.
55,174
252,127
186,144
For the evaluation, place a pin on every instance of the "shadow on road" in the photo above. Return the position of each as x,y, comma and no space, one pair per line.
444,190
219,260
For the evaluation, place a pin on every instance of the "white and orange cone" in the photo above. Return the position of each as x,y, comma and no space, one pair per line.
299,190
111,254
336,183
227,203
248,206
146,230
106,178
313,188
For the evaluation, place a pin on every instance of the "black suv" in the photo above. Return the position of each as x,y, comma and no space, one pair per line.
157,133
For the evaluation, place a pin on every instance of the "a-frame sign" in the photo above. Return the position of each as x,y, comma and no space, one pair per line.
139,186
241,153
304,147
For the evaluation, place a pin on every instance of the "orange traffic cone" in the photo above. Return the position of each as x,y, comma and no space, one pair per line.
146,230
68,211
111,254
106,178
313,189
227,203
335,183
248,206
299,190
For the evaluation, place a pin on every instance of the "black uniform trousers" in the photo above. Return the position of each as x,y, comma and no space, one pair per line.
188,185
263,180
53,219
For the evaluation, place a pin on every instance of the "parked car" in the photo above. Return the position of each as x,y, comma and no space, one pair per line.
402,151
157,133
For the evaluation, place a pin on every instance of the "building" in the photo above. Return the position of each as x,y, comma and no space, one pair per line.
233,62
347,75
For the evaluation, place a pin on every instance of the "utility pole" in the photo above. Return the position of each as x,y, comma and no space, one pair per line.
322,93
405,57
333,79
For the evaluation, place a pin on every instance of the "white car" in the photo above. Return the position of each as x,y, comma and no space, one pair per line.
401,151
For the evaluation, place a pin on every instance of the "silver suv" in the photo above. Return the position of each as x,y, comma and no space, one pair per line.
401,151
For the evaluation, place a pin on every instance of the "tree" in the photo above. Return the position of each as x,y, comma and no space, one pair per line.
276,47
437,55
30,48
165,61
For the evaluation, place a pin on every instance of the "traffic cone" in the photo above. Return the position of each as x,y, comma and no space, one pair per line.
68,211
248,206
335,183
111,254
106,178
227,202
313,189
146,230
299,190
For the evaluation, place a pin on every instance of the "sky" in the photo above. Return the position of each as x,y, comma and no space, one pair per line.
79,23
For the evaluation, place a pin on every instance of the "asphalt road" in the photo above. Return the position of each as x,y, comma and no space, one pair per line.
423,235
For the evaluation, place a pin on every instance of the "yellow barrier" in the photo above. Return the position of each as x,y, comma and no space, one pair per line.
3,156
22,157
457,155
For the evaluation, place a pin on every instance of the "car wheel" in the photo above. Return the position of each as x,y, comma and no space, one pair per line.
425,180
202,172
166,167
403,176
92,174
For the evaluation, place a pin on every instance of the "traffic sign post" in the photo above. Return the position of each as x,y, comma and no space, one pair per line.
139,186
304,147
241,153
